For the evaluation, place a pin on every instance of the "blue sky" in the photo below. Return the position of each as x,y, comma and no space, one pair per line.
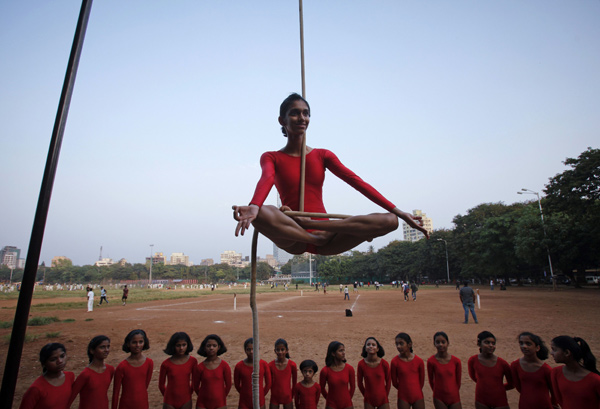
439,105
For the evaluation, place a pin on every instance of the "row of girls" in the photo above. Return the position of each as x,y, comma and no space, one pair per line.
575,385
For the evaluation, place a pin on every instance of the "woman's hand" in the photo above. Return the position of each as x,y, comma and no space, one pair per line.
244,215
416,222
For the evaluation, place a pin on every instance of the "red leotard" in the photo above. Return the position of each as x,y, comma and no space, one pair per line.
583,394
338,387
374,383
408,378
178,390
490,389
535,387
444,379
92,388
43,395
212,385
242,379
306,398
282,382
135,381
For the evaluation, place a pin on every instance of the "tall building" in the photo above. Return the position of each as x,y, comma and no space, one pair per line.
231,257
281,256
157,258
413,235
9,256
180,258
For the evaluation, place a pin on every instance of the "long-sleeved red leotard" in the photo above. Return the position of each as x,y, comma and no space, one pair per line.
178,379
42,395
374,383
337,387
134,380
242,379
576,395
282,382
490,389
212,385
92,388
535,387
444,379
408,378
306,398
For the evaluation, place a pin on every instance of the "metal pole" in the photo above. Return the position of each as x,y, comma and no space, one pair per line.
151,260
15,349
447,262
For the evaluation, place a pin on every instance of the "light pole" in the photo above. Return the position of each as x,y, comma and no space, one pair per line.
447,263
531,192
151,259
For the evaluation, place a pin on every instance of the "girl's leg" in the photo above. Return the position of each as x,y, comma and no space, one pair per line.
187,405
402,404
367,227
167,406
438,404
420,404
456,405
384,406
368,405
289,405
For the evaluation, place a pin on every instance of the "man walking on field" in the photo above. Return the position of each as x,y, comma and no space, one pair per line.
467,297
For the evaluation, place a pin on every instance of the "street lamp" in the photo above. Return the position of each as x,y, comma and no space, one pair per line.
531,192
151,259
447,263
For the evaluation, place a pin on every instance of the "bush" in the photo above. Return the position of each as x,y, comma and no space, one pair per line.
53,334
6,324
37,321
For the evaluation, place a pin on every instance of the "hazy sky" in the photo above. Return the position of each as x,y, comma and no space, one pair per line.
441,105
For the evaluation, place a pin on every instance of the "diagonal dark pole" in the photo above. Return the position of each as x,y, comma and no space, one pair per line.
15,349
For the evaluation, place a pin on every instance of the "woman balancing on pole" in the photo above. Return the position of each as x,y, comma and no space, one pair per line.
282,168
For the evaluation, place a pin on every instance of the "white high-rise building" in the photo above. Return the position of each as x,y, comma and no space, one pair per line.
231,257
413,235
9,256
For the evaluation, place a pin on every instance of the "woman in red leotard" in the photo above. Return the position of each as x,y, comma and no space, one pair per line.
175,376
282,168
284,375
444,372
373,374
212,377
337,378
307,392
408,374
242,378
133,374
93,382
576,384
531,376
488,371
52,390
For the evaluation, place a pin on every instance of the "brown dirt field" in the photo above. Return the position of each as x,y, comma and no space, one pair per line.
311,321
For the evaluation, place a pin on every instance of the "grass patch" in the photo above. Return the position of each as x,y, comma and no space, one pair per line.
37,321
69,320
53,334
28,337
6,324
89,319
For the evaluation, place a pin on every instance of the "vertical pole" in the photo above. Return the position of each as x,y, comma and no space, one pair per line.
303,154
256,358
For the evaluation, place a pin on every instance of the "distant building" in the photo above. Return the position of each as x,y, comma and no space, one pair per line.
180,259
231,257
122,262
281,256
57,260
157,258
270,260
103,262
9,256
207,262
413,235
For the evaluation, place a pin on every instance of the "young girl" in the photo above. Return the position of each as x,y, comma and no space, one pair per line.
373,374
133,374
242,378
408,374
52,390
177,371
212,377
444,372
337,378
576,384
93,382
531,375
284,375
307,392
488,371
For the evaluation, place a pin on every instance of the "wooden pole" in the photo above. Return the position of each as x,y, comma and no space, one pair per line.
303,154
256,357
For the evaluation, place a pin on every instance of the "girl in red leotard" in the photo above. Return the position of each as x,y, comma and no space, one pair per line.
93,382
212,377
408,374
242,378
282,168
133,374
373,373
531,376
576,384
488,371
52,390
284,374
337,378
175,376
307,392
444,373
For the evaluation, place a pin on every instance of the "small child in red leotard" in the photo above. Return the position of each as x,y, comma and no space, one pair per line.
93,382
176,373
284,375
373,373
408,374
212,377
444,373
242,378
52,390
488,371
531,376
307,392
576,384
133,374
337,378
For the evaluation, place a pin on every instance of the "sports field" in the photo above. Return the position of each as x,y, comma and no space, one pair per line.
310,320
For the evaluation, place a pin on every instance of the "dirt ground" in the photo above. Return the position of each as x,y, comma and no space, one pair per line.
309,321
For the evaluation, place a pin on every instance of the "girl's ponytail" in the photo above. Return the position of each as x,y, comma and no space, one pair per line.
589,360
